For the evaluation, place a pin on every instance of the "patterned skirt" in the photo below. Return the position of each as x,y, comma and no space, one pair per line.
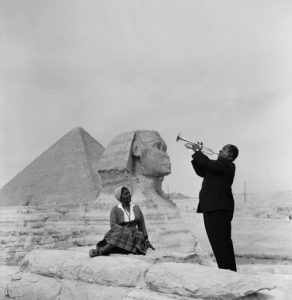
129,239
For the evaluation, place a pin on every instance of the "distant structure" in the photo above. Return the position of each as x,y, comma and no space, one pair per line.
65,173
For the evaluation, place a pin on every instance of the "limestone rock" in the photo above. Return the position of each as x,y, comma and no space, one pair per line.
28,286
52,227
158,256
197,281
55,274
6,273
142,294
54,263
138,160
117,271
65,173
32,287
195,257
283,290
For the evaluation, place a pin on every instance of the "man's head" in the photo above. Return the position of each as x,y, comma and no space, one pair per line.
229,152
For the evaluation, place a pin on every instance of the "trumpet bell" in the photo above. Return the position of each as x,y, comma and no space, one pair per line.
178,138
190,145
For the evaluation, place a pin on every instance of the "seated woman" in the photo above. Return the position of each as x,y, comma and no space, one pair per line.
128,231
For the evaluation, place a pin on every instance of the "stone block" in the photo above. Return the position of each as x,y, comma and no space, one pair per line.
28,286
54,263
6,273
190,280
114,270
143,294
118,270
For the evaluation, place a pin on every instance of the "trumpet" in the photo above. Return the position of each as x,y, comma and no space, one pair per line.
189,145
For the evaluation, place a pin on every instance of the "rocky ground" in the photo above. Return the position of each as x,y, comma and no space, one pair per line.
44,255
71,274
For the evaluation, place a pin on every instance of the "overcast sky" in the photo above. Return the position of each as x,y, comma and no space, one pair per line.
217,71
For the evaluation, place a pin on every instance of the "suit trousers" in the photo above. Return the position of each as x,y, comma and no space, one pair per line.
218,228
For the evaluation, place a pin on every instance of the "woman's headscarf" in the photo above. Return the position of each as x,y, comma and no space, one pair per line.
118,192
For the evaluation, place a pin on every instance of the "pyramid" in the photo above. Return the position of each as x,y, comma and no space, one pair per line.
63,174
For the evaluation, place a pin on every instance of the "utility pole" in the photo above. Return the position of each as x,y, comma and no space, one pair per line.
244,193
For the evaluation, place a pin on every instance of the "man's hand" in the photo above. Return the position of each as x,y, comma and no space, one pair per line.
195,147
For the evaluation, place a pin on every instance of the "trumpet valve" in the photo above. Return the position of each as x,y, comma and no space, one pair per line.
189,145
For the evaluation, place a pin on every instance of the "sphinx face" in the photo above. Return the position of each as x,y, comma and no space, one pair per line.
149,150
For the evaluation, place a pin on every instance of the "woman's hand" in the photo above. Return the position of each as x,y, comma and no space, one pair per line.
131,223
148,245
116,226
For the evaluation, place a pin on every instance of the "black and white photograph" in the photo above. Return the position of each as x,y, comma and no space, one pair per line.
145,149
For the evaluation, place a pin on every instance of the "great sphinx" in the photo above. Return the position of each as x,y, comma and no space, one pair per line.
139,161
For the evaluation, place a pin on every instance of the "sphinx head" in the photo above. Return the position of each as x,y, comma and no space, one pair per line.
134,154
149,154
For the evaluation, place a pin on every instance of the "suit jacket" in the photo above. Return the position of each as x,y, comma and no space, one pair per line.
216,192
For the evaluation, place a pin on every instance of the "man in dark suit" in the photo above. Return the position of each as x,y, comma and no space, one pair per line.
216,201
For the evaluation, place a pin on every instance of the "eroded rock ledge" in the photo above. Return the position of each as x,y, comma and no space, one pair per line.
69,274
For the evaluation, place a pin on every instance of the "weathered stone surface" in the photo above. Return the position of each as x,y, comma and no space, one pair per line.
283,290
65,173
196,257
288,293
117,271
138,160
142,294
6,273
157,256
73,275
53,227
197,281
55,263
28,286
